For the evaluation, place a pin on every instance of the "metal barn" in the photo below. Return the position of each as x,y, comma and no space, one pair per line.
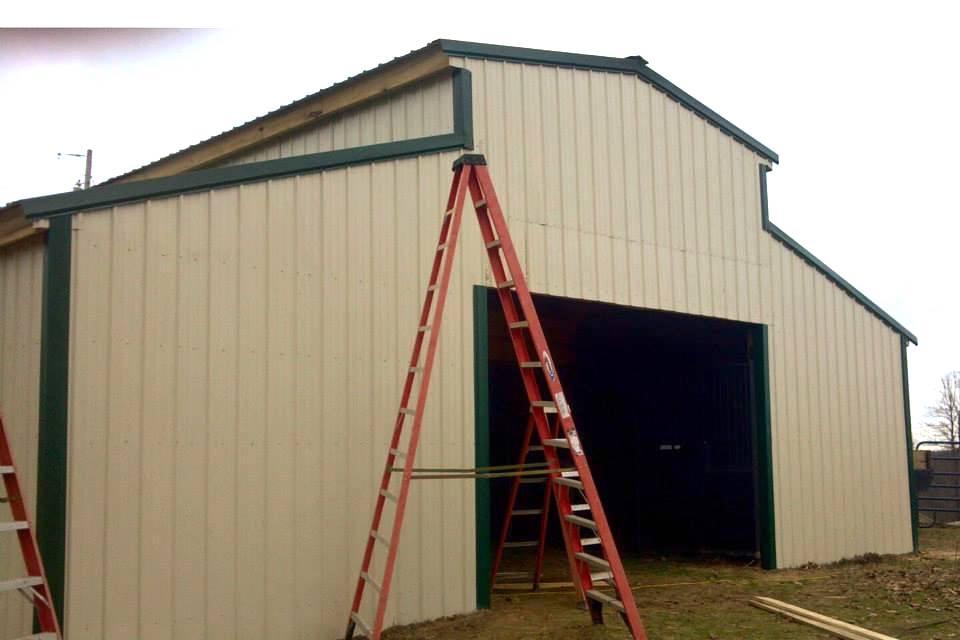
200,360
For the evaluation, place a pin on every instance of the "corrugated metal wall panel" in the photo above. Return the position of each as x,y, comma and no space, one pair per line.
420,110
619,194
252,341
21,289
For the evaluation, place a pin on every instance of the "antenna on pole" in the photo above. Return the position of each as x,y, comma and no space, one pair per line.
88,173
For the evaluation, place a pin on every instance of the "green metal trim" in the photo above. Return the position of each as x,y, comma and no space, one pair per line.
54,372
115,193
481,444
914,507
763,448
634,65
794,246
463,106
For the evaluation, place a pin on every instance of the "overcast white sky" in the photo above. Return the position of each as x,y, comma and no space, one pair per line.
859,99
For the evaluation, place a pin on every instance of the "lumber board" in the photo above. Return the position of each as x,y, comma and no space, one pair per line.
835,627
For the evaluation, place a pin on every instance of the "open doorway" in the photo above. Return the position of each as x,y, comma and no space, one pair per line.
670,409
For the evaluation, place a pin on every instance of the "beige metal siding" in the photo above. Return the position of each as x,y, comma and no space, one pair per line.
237,357
21,288
615,192
420,110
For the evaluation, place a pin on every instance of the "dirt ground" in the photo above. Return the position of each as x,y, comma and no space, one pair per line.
910,597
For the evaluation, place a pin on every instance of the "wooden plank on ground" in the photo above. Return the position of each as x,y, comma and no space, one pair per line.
832,626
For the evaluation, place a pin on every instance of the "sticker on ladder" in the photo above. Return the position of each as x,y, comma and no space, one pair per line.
574,441
562,407
548,365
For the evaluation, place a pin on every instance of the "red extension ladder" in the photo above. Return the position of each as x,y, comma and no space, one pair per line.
34,586
589,543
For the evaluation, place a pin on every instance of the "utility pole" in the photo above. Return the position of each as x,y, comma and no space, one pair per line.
88,174
89,171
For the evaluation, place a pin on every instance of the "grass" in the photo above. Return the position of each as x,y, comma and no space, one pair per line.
912,597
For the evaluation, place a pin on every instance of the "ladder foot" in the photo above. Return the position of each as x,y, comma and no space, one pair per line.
596,611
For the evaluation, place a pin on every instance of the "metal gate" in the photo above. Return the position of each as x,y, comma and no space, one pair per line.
937,476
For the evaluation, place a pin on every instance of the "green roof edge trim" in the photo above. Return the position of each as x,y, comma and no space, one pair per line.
784,238
116,193
636,66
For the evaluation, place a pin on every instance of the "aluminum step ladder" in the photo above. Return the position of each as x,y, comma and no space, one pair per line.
589,543
34,585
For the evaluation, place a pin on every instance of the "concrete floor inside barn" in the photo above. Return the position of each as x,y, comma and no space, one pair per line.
913,597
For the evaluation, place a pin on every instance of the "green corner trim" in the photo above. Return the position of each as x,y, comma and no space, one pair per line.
633,65
463,107
481,403
54,371
106,195
763,443
914,508
817,264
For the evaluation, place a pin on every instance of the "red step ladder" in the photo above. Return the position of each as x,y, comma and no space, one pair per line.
525,512
34,586
589,543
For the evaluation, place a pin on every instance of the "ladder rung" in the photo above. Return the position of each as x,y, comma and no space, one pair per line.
605,599
543,404
357,620
479,204
522,324
567,482
532,364
370,581
409,412
532,480
518,545
16,525
558,443
20,583
579,507
570,474
536,447
589,542
601,575
526,512
581,522
379,538
389,496
6,469
397,453
448,212
493,244
592,560
506,284
423,328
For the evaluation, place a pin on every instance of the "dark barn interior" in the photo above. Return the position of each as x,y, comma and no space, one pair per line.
663,404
